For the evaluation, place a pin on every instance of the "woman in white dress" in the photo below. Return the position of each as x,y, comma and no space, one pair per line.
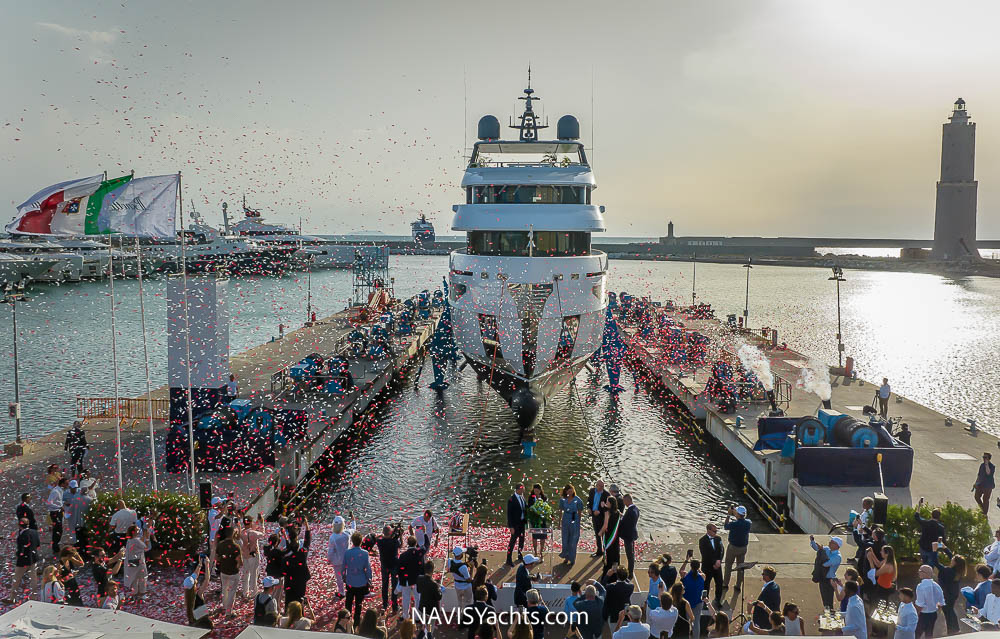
339,540
135,561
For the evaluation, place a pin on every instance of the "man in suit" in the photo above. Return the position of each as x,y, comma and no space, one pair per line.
591,604
712,553
627,531
597,500
619,596
517,518
769,598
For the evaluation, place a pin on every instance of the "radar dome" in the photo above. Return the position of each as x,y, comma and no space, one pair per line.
568,128
489,128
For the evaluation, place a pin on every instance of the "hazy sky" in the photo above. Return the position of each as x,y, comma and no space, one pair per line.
763,118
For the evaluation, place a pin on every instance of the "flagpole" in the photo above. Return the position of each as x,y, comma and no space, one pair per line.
145,355
114,362
187,336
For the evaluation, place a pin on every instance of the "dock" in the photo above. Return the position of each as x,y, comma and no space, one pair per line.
261,374
946,453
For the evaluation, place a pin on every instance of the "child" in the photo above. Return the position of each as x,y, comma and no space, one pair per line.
656,586
794,625
906,624
111,600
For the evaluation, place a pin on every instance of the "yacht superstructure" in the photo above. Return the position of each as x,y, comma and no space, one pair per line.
313,251
528,293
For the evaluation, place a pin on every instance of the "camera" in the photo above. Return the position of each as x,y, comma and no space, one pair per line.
472,553
397,531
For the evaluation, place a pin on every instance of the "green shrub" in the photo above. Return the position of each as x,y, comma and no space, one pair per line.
967,530
179,523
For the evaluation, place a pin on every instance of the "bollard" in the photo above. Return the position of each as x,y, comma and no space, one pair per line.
527,449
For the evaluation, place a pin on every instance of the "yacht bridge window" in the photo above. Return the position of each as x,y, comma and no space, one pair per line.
515,243
527,194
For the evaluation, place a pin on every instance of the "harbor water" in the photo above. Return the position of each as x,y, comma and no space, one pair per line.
935,338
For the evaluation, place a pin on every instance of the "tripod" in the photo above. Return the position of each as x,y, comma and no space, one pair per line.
742,618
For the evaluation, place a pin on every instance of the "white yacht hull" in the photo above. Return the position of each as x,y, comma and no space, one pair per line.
527,325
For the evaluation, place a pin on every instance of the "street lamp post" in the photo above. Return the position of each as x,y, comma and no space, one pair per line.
746,304
309,293
838,277
694,275
12,295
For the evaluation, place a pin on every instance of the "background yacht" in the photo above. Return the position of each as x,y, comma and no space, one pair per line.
528,292
64,265
312,251
422,230
15,269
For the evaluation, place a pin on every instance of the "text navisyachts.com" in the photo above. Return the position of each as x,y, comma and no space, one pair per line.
471,616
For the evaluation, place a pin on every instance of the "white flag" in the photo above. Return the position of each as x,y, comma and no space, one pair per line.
145,207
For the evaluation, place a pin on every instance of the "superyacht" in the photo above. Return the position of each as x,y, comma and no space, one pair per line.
528,293
311,251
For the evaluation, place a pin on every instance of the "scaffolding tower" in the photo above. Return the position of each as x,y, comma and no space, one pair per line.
371,272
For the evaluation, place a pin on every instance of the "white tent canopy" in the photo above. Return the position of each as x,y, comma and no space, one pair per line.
263,632
37,620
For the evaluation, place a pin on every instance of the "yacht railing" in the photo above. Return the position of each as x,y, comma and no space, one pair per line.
128,407
499,164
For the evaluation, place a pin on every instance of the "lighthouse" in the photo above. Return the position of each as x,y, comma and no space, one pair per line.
955,209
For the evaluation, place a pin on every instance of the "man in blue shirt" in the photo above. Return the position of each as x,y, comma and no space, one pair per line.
906,621
739,539
591,605
984,574
357,576
855,619
825,568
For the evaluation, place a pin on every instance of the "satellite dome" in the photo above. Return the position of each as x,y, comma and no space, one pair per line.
489,128
568,128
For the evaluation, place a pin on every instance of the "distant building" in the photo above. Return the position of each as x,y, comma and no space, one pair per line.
955,209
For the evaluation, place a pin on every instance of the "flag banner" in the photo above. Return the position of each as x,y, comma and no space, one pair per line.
63,205
144,207
96,201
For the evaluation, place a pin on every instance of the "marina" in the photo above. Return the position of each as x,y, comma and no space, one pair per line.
304,334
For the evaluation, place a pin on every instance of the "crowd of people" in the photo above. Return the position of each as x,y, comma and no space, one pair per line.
268,565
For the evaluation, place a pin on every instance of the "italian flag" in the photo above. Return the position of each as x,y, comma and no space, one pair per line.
67,208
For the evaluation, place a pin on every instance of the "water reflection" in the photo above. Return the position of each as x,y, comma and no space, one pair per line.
460,452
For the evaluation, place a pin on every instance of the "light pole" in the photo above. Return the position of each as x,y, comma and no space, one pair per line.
694,275
12,295
838,277
746,304
309,295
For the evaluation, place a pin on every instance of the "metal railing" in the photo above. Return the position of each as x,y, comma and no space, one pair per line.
128,407
772,510
782,390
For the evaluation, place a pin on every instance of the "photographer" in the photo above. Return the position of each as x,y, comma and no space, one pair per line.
739,539
462,576
388,552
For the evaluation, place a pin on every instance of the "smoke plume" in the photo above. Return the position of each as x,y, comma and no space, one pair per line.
755,361
815,378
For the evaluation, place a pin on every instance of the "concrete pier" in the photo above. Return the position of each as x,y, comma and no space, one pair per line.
258,372
946,453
